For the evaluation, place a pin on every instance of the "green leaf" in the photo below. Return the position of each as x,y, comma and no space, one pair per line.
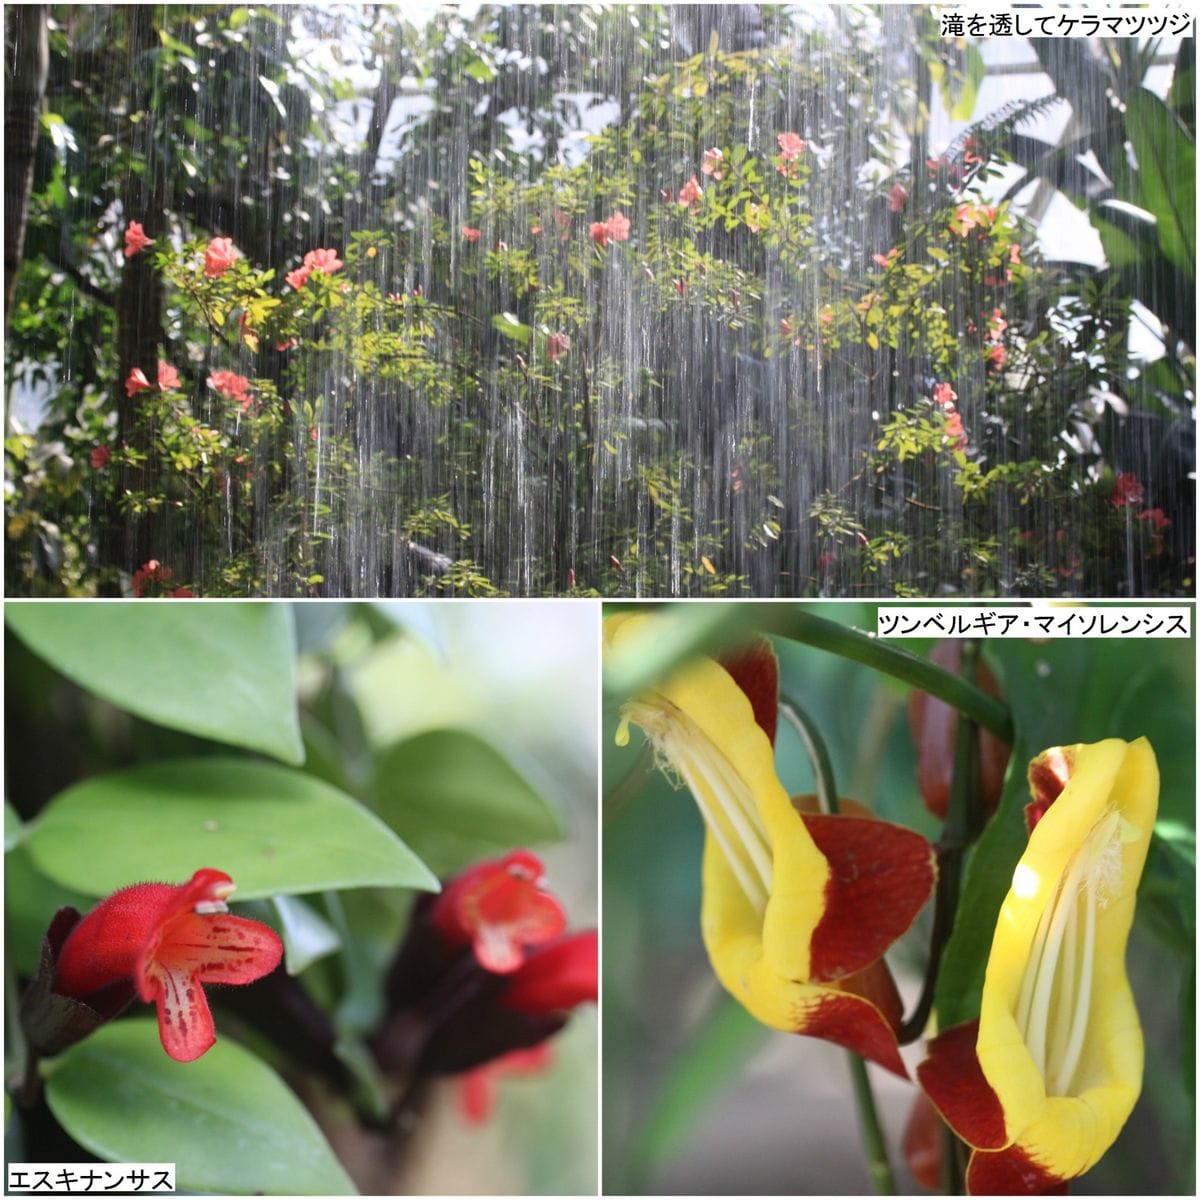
307,936
220,671
1166,157
12,827
987,880
508,325
454,798
227,1121
274,830
713,1055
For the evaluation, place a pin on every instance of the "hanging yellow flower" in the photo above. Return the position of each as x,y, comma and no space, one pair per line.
798,908
1042,1083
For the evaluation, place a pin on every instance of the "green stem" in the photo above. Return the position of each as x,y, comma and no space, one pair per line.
874,1145
818,755
699,629
964,823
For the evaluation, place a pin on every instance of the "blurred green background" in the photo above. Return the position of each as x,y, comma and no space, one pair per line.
698,1098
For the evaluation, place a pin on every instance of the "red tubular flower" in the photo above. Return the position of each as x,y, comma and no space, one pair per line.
500,907
325,262
556,977
168,377
168,940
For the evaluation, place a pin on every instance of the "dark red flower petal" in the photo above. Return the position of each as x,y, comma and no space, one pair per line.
881,875
1010,1172
755,670
954,1081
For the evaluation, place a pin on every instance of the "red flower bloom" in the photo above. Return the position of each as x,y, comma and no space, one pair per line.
598,232
556,976
136,382
324,261
477,1087
713,164
169,940
298,278
168,377
557,344
501,908
136,239
944,395
618,227
472,235
897,198
1127,491
149,572
1160,519
791,146
100,457
219,257
231,386
690,193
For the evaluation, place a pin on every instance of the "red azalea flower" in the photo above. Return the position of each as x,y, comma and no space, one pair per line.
219,257
555,977
472,235
168,377
713,164
477,1087
598,232
618,227
169,940
557,344
136,239
1127,491
944,395
1160,519
137,382
995,354
182,593
897,198
791,146
690,193
501,908
298,277
325,261
955,430
100,457
231,386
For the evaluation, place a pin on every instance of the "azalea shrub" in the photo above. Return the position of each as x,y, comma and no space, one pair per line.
987,892
750,337
330,925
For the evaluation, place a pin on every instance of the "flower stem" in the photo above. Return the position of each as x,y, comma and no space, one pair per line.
878,1166
964,823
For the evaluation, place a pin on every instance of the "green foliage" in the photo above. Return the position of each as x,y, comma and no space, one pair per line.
227,1121
107,649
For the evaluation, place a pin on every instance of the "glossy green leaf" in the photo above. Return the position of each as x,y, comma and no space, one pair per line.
986,882
274,830
454,798
1166,159
307,936
220,671
227,1121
